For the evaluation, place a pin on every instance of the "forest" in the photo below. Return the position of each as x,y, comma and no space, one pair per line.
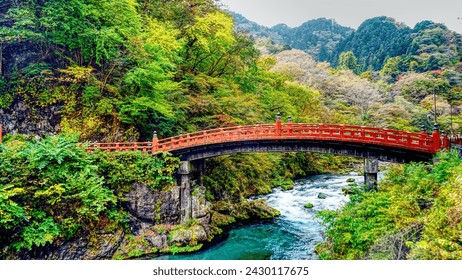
80,71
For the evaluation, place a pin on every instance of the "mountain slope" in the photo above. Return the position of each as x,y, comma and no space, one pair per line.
428,46
375,40
318,37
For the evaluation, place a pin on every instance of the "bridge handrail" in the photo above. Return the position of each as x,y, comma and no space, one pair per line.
299,131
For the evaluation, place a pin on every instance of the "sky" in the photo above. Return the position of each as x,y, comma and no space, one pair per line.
348,12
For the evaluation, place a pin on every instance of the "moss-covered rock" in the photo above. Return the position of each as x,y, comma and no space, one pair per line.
285,185
247,210
347,191
187,236
309,205
322,196
219,219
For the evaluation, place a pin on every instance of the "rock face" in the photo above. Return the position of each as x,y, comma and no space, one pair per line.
200,206
20,119
160,207
154,226
99,246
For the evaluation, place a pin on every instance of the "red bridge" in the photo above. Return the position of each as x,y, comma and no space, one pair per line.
360,141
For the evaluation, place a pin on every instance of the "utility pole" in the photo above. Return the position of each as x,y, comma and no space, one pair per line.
434,106
1,59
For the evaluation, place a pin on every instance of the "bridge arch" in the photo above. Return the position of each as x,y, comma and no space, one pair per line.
397,155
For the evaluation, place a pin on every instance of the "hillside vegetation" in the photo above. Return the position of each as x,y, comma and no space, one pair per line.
416,214
377,42
107,70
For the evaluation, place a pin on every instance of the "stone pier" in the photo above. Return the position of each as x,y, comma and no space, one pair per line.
190,175
371,169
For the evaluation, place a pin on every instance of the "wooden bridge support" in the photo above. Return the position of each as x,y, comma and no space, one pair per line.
189,174
371,170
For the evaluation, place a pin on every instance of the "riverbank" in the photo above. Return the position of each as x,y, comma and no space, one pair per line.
415,214
291,236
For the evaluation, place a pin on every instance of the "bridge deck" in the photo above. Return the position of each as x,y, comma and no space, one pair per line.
419,142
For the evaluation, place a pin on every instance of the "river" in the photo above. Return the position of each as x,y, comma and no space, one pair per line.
293,235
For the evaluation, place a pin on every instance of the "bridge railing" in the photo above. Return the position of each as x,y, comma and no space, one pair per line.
323,132
455,139
122,146
219,135
369,135
360,134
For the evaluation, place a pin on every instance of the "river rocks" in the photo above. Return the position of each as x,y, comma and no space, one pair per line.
154,226
322,196
188,236
218,219
309,205
148,243
347,191
181,237
247,210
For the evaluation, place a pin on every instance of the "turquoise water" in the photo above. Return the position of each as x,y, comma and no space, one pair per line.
293,235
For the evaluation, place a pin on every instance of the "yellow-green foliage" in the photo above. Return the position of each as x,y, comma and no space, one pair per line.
442,234
415,214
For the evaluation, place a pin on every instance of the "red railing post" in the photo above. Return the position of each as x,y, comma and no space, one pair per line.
278,124
289,124
436,139
446,142
155,142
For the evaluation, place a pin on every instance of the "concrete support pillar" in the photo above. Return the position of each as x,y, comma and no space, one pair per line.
185,173
371,169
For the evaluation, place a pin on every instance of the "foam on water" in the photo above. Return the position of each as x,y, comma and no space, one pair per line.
294,234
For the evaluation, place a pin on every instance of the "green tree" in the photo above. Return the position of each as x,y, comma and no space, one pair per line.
391,68
348,61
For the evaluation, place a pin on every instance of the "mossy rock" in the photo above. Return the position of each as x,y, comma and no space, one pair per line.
189,236
322,196
347,191
247,210
285,185
136,246
351,180
309,205
219,219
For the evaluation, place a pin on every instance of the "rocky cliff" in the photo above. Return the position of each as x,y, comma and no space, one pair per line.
153,227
